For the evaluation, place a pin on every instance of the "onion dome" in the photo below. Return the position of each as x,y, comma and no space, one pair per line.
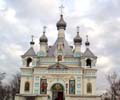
43,38
61,24
32,42
78,39
87,43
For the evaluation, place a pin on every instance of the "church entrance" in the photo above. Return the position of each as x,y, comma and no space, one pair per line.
30,98
57,92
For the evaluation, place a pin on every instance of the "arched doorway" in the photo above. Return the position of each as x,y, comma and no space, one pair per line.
57,92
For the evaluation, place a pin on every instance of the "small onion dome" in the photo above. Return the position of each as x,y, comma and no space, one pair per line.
77,39
61,24
87,43
43,38
32,43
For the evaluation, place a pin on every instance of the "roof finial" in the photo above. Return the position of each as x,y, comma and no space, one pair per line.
32,36
61,9
87,37
32,42
78,29
87,43
44,29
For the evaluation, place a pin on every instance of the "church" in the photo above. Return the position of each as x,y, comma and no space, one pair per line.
60,71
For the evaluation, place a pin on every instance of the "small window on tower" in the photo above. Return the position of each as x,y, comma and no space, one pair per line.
88,62
29,62
60,58
27,86
89,88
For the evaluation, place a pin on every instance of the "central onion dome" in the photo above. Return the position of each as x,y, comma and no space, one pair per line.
61,24
43,38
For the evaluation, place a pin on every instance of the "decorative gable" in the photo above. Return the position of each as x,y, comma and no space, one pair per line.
58,66
88,54
30,52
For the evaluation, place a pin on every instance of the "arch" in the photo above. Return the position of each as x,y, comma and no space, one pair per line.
57,91
27,86
88,62
62,82
89,88
57,87
29,61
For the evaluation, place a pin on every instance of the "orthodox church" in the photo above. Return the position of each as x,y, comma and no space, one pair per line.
60,71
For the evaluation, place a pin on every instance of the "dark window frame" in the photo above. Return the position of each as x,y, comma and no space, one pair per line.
29,61
89,62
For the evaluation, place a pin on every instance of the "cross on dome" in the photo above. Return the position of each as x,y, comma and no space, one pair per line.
87,37
44,29
32,36
78,29
61,9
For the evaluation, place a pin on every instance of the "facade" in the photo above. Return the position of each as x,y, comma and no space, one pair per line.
60,71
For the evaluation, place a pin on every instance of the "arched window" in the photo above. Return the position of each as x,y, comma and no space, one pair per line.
59,57
89,88
88,62
29,62
27,86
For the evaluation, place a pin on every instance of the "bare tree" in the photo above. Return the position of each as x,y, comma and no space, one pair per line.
15,85
114,90
8,92
2,92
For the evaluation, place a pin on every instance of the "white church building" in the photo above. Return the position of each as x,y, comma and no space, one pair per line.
60,71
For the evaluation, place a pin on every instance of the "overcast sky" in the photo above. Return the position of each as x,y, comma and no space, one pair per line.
100,19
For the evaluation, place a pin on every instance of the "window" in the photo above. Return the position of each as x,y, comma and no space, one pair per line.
60,58
89,88
71,86
29,62
88,62
27,86
43,86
